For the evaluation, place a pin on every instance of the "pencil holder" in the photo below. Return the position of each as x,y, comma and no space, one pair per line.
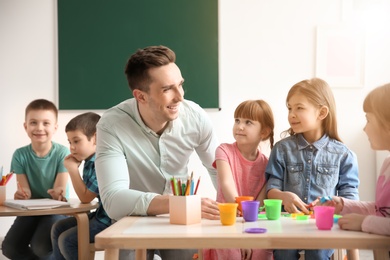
184,210
2,194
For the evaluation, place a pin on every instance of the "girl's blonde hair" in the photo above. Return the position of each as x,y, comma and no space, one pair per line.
258,110
318,92
378,103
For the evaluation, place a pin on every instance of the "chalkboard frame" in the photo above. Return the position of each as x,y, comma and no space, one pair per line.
96,37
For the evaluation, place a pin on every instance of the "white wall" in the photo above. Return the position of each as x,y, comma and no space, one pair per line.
264,48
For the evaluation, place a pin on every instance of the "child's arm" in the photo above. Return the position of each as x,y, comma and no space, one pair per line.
23,191
225,177
262,194
347,186
84,194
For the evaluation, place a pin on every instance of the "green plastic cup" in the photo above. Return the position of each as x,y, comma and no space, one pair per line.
273,208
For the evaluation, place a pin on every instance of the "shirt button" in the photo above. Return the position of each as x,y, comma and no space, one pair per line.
307,180
309,161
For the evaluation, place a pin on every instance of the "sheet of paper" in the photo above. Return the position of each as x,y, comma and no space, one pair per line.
33,204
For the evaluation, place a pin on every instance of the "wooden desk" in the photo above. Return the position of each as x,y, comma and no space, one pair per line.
141,233
77,209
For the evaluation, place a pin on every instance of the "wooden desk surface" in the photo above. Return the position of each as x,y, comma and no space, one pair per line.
286,233
77,209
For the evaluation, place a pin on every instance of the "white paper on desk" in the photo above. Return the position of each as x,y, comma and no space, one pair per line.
33,204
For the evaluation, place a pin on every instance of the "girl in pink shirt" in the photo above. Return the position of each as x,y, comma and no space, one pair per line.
241,167
372,217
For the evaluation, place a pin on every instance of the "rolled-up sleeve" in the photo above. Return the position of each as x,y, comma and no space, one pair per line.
274,171
348,183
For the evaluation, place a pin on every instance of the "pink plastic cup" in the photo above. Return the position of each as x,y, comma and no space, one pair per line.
324,217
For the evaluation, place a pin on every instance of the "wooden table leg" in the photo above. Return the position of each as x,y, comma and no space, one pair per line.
381,254
111,254
200,254
83,234
353,254
140,254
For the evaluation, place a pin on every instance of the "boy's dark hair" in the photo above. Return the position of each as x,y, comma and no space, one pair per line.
41,104
137,67
86,123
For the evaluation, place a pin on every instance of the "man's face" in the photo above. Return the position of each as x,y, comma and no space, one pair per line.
164,96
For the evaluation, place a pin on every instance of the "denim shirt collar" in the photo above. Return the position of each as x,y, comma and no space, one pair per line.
302,143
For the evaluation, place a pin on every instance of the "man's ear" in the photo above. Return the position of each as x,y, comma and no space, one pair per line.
139,95
324,111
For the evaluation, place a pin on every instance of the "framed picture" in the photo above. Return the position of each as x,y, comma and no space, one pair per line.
340,56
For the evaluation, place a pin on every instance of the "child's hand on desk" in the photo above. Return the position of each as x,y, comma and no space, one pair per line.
22,195
292,203
351,222
57,194
210,209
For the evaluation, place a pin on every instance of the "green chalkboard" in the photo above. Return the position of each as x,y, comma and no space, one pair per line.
96,38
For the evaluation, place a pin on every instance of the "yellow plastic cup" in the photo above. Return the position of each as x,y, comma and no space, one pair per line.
228,213
273,208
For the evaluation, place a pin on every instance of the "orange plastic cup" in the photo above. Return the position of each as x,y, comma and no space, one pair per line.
239,199
228,213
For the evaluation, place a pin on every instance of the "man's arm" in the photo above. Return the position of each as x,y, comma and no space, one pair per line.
114,180
208,145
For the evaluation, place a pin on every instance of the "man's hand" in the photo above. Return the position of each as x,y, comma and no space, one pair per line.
210,209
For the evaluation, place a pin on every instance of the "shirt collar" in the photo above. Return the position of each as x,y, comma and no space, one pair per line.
139,120
88,164
302,143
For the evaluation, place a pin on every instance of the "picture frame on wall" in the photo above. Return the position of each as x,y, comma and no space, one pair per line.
340,56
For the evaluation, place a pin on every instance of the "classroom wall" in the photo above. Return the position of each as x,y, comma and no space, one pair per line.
264,48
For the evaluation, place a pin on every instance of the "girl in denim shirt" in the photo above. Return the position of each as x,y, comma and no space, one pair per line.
312,161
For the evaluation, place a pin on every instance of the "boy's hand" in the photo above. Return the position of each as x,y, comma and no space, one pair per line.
351,222
71,163
292,203
57,194
21,195
336,202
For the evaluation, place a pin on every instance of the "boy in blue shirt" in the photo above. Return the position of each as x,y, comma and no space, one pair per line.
40,173
81,132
